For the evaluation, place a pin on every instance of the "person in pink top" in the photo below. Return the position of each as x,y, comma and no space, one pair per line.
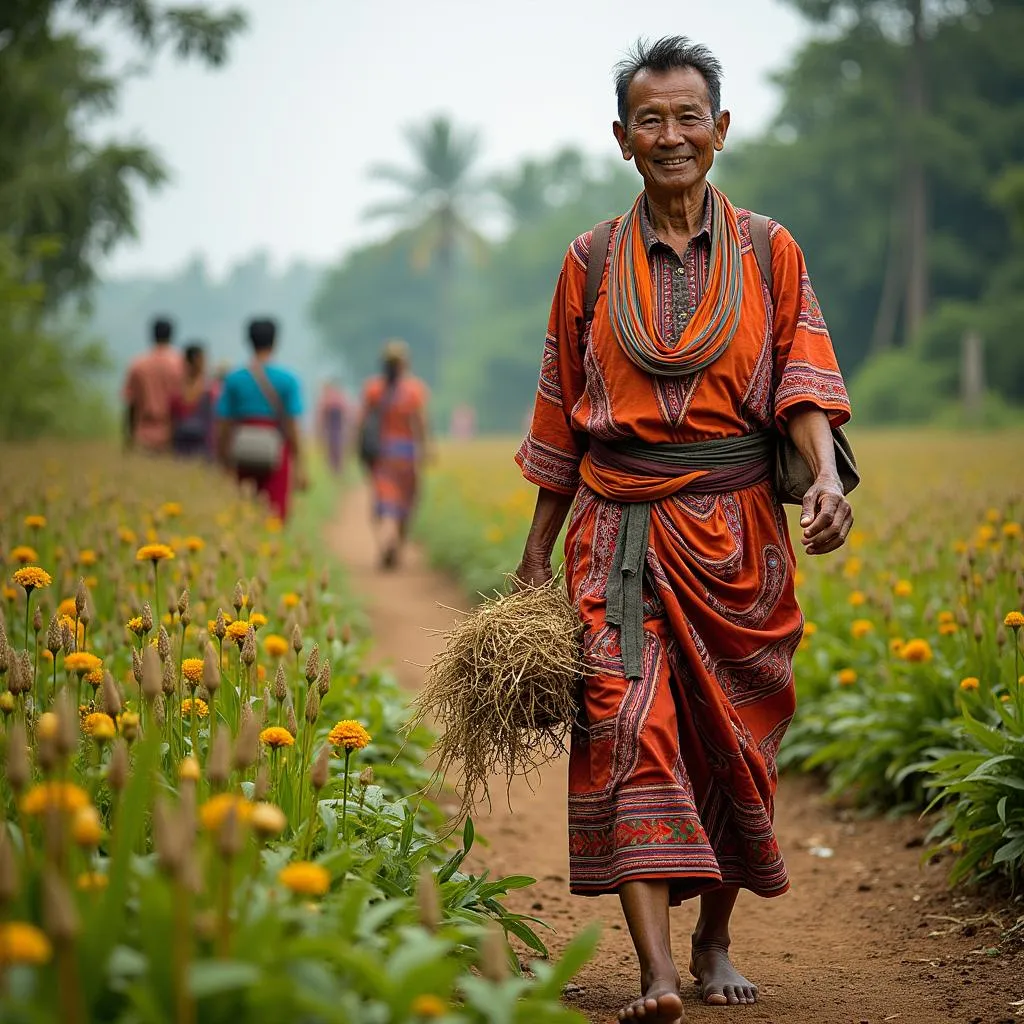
154,382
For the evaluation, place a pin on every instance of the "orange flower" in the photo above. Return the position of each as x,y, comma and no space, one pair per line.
154,553
23,943
917,651
192,670
970,683
35,522
305,878
64,796
31,577
860,628
275,646
23,554
1013,619
349,734
847,676
81,662
276,737
217,808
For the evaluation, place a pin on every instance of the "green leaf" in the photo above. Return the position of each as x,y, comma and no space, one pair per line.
211,977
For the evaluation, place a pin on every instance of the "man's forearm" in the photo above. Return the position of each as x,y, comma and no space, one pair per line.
810,430
548,519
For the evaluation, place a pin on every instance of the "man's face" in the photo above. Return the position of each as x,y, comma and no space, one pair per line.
671,133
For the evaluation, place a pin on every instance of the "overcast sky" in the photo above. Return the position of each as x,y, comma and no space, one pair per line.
272,151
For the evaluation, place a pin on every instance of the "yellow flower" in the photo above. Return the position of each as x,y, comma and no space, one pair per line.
268,819
305,878
276,737
427,1005
91,881
199,707
48,726
153,553
1011,529
23,943
32,577
99,726
171,509
64,796
68,608
126,536
903,588
290,600
217,808
192,670
946,617
948,628
10,593
237,631
81,662
86,828
275,646
349,734
134,624
24,554
194,544
860,628
970,683
810,628
94,678
857,598
261,673
273,524
128,724
852,567
993,515
917,651
92,582
847,676
35,522
1014,620
257,619
189,769
1005,698
87,557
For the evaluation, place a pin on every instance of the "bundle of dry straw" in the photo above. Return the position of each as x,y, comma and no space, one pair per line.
503,692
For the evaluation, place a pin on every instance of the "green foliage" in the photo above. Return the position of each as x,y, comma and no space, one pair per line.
880,391
49,376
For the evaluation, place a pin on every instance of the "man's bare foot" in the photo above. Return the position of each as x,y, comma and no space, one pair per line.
720,983
660,1004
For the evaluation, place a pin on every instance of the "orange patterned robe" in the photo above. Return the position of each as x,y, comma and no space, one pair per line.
672,776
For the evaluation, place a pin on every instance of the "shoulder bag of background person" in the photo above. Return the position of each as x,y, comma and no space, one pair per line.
258,448
793,476
371,431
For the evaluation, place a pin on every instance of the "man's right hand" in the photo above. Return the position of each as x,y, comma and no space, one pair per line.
533,571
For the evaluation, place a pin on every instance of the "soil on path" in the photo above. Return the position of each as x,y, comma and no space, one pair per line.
868,934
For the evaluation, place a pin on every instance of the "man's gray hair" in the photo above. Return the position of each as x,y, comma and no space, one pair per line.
665,55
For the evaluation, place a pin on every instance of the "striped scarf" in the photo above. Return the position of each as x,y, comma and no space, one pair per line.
631,306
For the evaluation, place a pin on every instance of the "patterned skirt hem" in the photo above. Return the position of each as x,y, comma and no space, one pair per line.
682,885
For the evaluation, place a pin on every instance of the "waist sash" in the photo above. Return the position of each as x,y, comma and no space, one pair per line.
724,464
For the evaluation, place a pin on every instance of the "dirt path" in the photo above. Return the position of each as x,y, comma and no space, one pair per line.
866,935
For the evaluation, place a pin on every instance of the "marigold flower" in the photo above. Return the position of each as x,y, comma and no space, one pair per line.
1011,529
970,683
268,819
276,736
87,557
1014,620
81,662
428,1005
237,631
134,625
257,619
10,593
126,536
86,828
948,629
91,881
810,628
917,650
154,553
171,509
99,726
35,522
64,796
189,769
946,616
31,577
94,678
857,598
192,670
23,554
194,544
128,724
847,676
197,707
217,808
349,734
291,599
305,878
903,588
23,943
896,645
860,628
276,646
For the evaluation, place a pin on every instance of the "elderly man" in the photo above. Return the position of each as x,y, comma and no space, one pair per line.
657,415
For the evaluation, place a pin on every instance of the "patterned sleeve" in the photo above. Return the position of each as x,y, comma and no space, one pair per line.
550,455
806,371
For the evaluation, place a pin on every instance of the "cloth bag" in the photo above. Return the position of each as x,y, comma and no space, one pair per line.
258,448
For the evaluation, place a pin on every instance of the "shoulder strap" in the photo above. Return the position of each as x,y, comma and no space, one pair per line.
761,241
595,267
269,391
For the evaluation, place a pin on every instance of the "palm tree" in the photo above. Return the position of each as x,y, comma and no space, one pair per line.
441,194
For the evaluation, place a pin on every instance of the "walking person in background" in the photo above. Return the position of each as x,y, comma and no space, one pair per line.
332,420
258,422
192,408
685,344
152,385
393,439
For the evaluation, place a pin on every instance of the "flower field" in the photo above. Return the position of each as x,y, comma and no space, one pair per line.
910,670
208,808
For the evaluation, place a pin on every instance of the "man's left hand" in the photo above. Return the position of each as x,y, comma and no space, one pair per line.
826,517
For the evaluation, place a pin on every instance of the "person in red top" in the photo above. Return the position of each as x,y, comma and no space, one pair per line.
332,422
153,383
393,435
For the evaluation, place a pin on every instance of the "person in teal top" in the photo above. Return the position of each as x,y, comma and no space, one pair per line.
244,400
